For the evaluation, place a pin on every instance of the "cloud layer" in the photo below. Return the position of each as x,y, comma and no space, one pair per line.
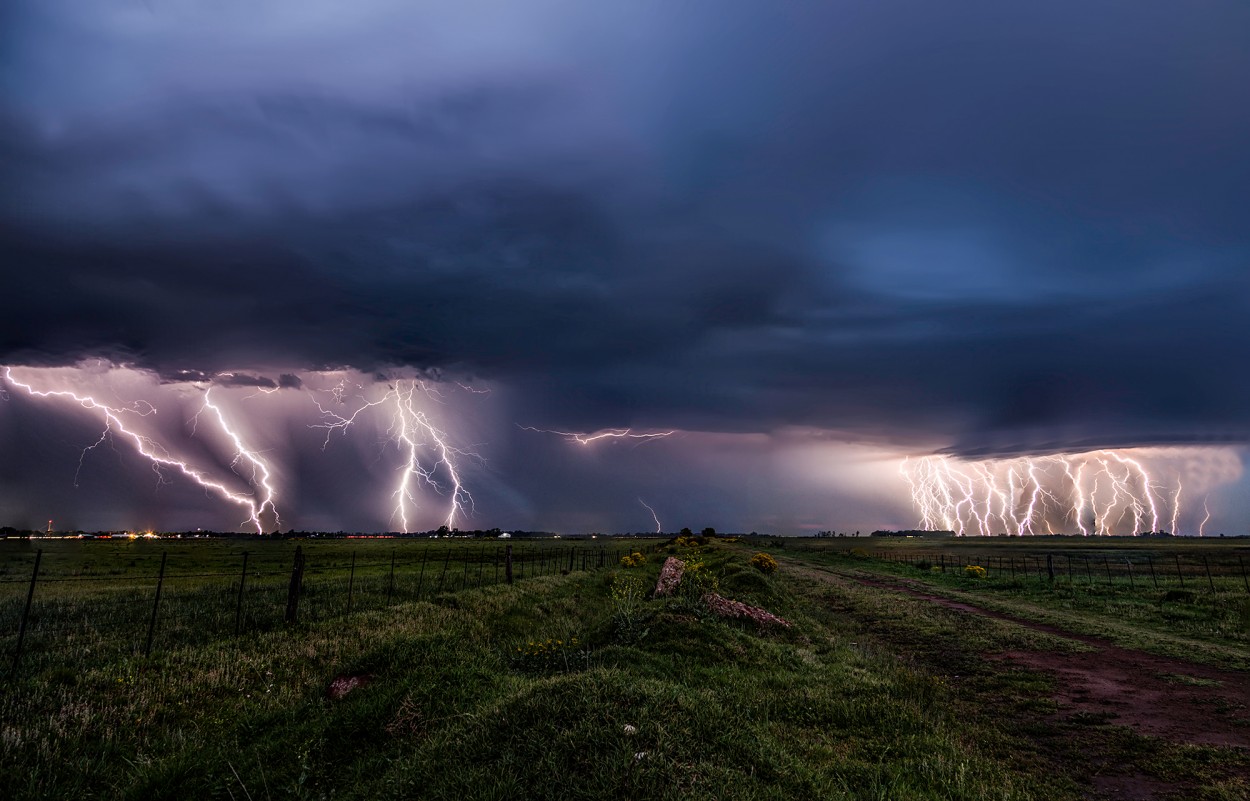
966,227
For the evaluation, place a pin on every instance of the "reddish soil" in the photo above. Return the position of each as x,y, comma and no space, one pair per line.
1147,693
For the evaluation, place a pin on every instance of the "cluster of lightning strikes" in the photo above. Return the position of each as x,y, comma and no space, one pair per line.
584,438
1096,493
118,421
428,457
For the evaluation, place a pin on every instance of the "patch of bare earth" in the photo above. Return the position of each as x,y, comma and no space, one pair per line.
1184,702
1109,696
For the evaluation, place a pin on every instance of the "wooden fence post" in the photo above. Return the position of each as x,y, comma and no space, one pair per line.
507,563
30,596
1207,565
1107,564
1050,568
238,602
292,590
160,580
1153,579
1179,574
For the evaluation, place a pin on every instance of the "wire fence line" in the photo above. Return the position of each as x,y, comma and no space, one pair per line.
68,622
1221,573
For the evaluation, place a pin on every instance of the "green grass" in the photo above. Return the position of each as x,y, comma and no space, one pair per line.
865,696
1194,623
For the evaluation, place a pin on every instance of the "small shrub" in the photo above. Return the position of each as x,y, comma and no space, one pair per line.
697,579
635,559
975,571
627,596
763,563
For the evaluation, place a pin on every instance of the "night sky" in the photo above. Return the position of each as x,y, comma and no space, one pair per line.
809,239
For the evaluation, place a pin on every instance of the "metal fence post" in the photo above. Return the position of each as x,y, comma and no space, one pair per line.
443,575
507,563
30,596
292,592
160,580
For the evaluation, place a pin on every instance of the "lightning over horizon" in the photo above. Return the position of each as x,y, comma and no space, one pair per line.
658,528
1103,492
386,451
428,454
158,454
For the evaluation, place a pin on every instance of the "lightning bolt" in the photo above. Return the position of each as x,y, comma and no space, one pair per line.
429,458
658,528
115,427
583,438
261,475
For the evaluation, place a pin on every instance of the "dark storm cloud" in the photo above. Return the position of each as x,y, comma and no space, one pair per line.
244,380
973,226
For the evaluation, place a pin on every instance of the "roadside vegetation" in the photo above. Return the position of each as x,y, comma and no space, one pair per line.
577,685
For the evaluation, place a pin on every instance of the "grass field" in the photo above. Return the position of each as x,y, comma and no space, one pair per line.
575,683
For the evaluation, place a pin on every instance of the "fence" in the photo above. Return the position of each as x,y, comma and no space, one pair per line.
50,621
1158,570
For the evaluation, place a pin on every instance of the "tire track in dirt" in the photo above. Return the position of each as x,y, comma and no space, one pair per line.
1176,700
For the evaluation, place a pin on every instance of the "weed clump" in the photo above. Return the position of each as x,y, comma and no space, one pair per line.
627,613
975,572
635,559
763,563
550,656
697,579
